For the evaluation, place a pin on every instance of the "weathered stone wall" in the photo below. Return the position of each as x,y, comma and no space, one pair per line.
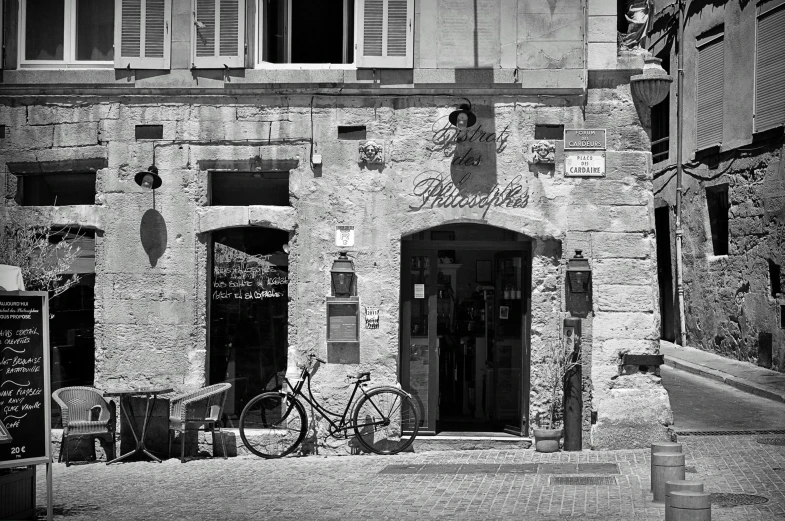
727,298
151,252
728,301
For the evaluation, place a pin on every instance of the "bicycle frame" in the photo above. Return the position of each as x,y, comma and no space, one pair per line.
342,423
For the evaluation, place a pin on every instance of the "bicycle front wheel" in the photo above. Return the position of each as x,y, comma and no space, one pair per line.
272,425
386,420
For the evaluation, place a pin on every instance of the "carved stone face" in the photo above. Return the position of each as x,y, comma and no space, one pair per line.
543,152
541,149
370,152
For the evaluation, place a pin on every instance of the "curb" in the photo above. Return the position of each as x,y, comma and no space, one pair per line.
725,378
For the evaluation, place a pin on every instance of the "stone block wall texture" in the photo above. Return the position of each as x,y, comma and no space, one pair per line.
728,299
152,248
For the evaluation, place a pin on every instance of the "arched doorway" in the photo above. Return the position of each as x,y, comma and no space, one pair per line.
248,312
465,308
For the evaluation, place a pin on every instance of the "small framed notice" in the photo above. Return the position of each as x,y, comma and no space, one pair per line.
419,291
344,235
343,320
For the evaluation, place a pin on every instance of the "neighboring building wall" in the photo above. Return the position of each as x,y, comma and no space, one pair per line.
152,248
729,305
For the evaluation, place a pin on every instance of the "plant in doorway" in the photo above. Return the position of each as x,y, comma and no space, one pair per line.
559,363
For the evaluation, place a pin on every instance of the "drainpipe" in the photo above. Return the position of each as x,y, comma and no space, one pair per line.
679,189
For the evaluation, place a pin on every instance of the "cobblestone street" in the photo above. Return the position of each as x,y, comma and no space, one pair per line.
464,485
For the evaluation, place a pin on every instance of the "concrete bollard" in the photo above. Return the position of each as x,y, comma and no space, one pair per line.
665,466
686,505
662,446
679,485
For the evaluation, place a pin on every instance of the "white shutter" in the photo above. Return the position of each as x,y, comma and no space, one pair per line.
142,36
384,34
219,34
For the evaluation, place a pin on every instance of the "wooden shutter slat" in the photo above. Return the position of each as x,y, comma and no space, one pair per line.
711,78
205,28
385,33
230,27
220,41
142,34
154,34
131,43
374,27
396,27
770,70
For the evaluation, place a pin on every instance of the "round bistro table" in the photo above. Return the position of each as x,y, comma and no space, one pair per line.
150,395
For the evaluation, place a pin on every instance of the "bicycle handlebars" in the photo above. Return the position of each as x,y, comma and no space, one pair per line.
317,358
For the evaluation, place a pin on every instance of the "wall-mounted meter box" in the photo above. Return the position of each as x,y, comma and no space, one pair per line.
343,319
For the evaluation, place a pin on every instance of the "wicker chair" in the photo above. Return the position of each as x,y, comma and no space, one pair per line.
85,413
200,408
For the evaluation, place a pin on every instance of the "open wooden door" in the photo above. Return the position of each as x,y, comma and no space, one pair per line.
419,356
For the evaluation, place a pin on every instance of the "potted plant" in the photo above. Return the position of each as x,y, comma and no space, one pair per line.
558,363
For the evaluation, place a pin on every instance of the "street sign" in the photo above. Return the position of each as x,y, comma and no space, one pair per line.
584,139
584,164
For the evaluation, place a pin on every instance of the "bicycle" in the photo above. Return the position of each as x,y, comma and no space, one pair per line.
274,423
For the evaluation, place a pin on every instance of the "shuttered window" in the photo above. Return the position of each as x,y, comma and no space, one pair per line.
770,69
219,34
384,36
142,34
711,79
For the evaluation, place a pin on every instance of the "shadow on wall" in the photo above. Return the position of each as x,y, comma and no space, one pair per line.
152,232
473,165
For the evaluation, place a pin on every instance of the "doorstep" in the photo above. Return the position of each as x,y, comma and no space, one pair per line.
470,441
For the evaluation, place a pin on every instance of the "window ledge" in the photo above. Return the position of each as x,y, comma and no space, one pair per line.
305,66
218,217
555,81
85,215
62,66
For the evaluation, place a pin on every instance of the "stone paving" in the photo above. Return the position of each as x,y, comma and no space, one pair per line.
457,485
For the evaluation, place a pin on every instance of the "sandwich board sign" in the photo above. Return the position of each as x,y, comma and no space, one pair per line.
25,387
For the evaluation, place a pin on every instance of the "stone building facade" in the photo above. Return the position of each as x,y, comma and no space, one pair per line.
498,224
734,189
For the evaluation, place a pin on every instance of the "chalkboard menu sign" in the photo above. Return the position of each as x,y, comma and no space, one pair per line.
24,378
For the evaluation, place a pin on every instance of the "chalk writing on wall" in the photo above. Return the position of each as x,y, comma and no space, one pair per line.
241,276
24,379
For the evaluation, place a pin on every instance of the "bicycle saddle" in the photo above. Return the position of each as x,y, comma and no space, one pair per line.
360,377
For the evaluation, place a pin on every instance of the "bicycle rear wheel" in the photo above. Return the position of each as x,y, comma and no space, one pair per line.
272,425
386,420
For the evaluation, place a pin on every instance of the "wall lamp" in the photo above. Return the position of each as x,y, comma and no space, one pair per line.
579,273
148,179
342,275
463,117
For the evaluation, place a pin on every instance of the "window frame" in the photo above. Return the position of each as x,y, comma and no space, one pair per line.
69,60
258,63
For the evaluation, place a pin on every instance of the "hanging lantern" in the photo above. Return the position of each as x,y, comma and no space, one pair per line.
342,276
